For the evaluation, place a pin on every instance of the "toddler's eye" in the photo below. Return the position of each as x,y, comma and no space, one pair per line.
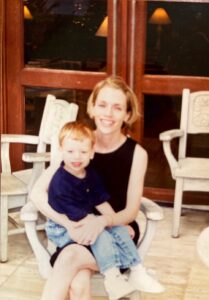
118,108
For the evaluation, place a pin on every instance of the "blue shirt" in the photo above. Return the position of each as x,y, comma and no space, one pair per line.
76,197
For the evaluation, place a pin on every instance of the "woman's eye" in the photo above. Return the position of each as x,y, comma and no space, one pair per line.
101,104
83,152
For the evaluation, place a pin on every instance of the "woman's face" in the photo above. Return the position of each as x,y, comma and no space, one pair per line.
110,110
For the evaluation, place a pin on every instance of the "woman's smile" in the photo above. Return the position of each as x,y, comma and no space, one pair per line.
106,122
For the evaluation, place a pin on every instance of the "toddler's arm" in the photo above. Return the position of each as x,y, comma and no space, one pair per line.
107,210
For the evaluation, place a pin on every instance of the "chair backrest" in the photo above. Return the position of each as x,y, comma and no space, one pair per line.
56,113
194,116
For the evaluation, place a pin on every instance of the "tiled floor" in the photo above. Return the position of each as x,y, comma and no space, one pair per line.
175,261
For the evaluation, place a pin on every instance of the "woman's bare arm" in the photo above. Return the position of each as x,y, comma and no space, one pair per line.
135,188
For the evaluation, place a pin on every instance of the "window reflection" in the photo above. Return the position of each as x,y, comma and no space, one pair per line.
61,34
178,38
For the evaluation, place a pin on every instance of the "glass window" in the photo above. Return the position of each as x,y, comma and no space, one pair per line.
160,113
35,101
63,34
177,38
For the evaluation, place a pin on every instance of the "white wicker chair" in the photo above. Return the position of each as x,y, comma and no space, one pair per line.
190,173
15,186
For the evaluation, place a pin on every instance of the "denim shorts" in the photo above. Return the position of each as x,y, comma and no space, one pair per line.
57,234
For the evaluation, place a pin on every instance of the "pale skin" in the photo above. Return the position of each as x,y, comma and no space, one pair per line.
109,112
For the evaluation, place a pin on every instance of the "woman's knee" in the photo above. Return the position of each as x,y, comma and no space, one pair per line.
75,257
81,285
68,257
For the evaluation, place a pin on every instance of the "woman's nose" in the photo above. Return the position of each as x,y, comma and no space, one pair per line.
108,111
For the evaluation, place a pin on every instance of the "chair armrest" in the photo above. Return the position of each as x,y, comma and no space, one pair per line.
38,160
166,138
153,213
29,215
32,157
19,138
6,140
151,210
171,134
29,212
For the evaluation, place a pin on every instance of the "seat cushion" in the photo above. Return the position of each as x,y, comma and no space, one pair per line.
10,185
23,175
193,168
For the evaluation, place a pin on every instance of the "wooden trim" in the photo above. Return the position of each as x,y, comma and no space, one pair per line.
122,20
172,85
14,64
3,104
15,110
140,42
60,78
109,38
167,195
170,1
131,51
159,194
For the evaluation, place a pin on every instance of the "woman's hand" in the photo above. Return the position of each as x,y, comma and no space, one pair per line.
86,231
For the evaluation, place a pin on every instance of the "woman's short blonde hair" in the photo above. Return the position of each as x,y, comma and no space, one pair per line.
117,83
76,131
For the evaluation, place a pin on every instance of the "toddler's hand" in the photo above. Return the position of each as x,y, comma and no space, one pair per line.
130,231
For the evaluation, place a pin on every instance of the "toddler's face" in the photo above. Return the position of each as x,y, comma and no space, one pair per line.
76,155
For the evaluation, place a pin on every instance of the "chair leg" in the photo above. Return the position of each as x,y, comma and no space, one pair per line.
4,228
177,207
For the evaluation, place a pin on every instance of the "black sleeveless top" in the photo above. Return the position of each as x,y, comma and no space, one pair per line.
114,169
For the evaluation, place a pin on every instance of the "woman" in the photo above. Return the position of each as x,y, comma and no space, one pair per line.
122,164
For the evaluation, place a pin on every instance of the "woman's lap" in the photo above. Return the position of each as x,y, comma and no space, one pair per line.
55,255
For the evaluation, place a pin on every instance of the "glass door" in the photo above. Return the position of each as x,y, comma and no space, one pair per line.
59,47
177,46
